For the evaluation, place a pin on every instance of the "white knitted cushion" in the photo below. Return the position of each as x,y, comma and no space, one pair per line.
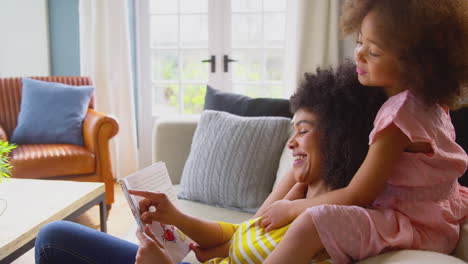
233,160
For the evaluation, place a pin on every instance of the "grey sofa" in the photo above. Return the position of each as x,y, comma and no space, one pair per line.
172,137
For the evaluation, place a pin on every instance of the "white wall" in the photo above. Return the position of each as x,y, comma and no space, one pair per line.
24,38
348,45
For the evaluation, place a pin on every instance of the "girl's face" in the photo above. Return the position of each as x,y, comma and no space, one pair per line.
305,146
376,64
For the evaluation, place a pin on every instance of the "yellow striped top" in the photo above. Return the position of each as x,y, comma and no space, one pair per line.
250,243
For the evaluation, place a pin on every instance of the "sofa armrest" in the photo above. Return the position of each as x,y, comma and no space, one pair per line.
3,135
172,139
461,251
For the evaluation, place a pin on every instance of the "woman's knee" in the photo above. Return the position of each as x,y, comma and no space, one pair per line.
56,233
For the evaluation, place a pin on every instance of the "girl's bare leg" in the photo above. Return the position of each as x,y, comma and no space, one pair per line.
300,244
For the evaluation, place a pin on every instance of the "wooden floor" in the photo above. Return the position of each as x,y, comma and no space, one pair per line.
118,223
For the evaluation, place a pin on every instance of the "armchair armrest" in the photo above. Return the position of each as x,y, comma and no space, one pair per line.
172,139
98,128
3,135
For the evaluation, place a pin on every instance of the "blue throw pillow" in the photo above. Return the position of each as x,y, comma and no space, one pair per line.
51,113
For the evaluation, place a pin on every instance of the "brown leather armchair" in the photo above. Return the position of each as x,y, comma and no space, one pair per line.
60,161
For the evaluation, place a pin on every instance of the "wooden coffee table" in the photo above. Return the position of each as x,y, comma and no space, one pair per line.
33,203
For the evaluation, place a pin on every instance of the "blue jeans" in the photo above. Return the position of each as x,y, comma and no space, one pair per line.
68,242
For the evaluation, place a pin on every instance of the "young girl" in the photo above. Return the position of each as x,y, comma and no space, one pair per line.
405,195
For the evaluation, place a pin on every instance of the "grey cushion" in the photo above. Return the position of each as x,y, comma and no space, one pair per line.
233,160
242,105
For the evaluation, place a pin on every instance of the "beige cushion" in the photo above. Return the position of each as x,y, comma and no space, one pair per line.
461,251
172,137
285,164
412,257
210,212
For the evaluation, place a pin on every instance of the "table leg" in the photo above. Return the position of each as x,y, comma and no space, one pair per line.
103,215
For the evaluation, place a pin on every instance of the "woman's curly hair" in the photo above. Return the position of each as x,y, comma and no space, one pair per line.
430,38
345,110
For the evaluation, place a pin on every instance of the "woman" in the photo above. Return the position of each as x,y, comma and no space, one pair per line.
333,116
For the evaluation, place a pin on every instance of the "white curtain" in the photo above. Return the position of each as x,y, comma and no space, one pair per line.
105,57
312,38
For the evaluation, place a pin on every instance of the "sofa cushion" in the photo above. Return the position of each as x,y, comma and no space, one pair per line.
242,105
233,160
285,164
51,113
462,245
412,257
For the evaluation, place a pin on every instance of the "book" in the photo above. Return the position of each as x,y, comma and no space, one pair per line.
155,178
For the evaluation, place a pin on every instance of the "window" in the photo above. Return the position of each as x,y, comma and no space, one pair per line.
234,46
179,43
258,45
177,39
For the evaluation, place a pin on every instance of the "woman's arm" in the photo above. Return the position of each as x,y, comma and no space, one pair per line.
279,192
205,254
204,233
365,186
298,191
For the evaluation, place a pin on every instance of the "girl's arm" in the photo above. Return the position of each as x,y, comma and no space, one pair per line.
279,192
365,186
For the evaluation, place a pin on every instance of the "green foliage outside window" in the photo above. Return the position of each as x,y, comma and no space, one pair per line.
194,94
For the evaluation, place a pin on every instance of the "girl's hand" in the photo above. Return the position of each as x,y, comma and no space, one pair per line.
277,215
165,213
151,250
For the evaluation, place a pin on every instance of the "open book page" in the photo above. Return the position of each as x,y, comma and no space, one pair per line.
155,178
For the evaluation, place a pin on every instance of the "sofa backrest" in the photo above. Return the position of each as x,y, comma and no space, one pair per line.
10,97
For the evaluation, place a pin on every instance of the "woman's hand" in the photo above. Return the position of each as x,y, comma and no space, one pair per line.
151,250
277,215
165,213
203,254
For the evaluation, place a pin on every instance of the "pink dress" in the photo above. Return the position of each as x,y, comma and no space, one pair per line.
422,206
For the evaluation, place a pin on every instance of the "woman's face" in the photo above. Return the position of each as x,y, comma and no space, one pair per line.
305,147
